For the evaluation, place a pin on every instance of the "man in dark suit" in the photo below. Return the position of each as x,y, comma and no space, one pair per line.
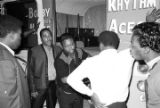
13,81
145,45
41,71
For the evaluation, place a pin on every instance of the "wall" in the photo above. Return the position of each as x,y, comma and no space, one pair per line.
95,17
64,20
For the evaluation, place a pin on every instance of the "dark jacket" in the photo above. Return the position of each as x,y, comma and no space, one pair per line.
14,91
38,67
64,66
152,89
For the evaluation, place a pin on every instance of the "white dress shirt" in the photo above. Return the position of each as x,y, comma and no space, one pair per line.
109,73
51,68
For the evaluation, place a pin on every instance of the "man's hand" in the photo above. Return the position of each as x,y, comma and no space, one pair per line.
96,102
153,16
64,79
34,94
36,25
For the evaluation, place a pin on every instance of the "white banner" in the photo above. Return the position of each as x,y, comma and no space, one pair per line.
123,15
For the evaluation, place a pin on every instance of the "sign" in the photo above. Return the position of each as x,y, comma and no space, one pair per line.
49,12
123,15
32,15
47,15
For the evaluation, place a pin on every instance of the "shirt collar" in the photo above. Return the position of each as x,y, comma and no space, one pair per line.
109,51
153,62
8,48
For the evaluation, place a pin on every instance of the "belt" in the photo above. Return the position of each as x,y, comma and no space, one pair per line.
51,81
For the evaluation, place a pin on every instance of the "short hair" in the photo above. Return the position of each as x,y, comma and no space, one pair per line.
109,38
148,34
66,36
45,29
9,24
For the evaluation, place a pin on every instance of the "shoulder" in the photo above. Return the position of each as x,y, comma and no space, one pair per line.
91,60
4,53
156,70
60,61
81,53
57,50
35,48
60,57
57,47
125,55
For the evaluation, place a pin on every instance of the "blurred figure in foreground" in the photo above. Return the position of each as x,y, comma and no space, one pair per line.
14,91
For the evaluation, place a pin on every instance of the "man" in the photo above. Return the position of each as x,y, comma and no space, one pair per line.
41,71
13,81
107,73
65,63
145,45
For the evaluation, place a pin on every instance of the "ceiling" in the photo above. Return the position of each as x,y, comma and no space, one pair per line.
76,6
71,6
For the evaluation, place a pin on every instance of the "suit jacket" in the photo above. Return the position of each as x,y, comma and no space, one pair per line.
153,87
38,67
13,82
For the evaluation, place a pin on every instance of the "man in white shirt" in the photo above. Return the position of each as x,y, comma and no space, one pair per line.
109,74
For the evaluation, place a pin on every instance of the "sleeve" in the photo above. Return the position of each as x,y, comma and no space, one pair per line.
30,70
8,82
75,79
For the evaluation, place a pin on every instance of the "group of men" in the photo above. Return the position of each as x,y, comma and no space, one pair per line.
47,69
55,72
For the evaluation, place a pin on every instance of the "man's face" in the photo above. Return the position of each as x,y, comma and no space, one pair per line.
136,50
69,46
16,40
46,38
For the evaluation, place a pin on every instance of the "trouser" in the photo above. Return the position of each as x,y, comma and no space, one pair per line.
48,94
118,105
65,100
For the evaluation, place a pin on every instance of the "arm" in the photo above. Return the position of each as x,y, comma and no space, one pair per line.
153,16
57,50
34,30
28,32
75,79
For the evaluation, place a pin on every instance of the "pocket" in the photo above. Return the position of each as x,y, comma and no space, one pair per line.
3,89
4,98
